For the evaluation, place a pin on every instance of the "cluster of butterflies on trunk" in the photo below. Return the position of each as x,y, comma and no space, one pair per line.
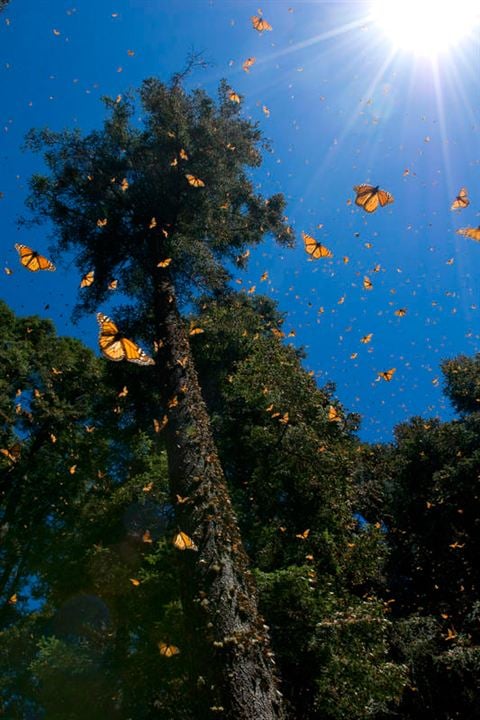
116,347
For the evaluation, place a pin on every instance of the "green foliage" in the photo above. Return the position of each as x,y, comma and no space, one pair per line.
432,503
293,478
126,176
462,382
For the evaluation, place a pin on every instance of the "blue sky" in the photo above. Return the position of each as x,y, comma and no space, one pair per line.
340,108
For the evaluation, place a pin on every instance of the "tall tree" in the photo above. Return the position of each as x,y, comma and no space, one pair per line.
291,460
432,512
159,208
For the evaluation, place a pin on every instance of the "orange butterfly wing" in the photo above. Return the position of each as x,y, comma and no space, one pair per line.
133,353
470,232
32,260
384,197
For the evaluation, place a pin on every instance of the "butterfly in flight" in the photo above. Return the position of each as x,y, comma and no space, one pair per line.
32,260
195,181
470,232
168,650
315,249
248,64
87,279
369,197
116,347
461,201
260,24
387,375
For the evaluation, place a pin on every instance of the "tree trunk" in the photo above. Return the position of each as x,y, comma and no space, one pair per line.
233,666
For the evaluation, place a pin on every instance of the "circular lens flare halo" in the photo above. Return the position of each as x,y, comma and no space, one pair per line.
426,27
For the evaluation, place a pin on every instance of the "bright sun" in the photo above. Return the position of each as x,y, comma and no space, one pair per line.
426,27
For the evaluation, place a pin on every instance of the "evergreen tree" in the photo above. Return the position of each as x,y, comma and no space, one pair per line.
291,460
432,510
158,208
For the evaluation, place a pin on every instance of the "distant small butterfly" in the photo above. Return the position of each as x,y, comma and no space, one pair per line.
369,197
333,414
233,96
315,249
387,375
32,260
367,283
168,650
248,64
87,279
195,181
116,347
400,312
461,201
260,24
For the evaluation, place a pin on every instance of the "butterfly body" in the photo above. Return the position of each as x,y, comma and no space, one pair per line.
369,197
114,346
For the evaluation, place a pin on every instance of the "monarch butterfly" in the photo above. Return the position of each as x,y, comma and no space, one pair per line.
116,347
158,425
194,181
366,338
241,260
195,330
387,375
248,64
87,279
470,232
32,260
182,541
168,650
367,283
12,453
260,24
333,414
370,197
400,312
233,96
461,201
315,249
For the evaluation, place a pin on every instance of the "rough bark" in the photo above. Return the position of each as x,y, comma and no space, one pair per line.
232,663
